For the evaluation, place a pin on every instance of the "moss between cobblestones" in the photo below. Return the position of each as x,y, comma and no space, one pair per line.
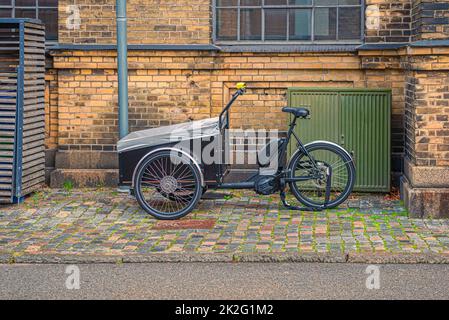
105,222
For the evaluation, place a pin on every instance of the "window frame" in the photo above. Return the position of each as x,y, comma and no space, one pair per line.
36,7
287,41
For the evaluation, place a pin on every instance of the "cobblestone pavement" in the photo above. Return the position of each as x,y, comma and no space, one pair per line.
104,222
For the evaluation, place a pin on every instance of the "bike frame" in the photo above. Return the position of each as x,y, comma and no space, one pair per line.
281,173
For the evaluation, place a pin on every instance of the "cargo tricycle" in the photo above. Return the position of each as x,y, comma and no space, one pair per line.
169,168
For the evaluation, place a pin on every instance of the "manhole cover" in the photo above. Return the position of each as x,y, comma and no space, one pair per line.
185,224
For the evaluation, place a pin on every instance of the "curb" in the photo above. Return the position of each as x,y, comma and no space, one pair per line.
373,258
399,258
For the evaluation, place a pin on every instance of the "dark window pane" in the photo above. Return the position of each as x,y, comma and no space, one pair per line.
25,3
349,2
5,3
300,2
275,2
276,24
5,13
226,3
349,23
50,18
250,2
227,24
325,2
325,23
26,13
250,24
281,23
300,24
48,3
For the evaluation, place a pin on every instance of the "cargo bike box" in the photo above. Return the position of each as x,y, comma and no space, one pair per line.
169,168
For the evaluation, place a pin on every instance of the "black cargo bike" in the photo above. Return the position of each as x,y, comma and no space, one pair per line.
168,178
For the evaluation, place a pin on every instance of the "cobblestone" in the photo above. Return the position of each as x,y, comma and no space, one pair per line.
104,222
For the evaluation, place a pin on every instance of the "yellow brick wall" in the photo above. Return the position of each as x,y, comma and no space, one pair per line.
430,19
172,87
51,105
427,107
149,22
190,22
394,21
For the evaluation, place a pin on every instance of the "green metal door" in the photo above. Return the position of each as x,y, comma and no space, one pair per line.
356,119
323,107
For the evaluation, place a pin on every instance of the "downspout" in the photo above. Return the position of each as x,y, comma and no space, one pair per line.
122,68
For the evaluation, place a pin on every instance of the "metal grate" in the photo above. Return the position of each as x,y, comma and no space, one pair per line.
22,110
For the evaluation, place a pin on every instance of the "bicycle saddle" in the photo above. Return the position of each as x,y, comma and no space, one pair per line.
297,112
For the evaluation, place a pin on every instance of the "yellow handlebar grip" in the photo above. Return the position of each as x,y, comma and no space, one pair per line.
241,85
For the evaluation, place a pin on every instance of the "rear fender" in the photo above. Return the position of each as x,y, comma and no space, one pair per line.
318,142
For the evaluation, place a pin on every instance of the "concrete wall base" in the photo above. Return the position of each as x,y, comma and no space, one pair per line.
426,176
86,160
84,178
425,202
49,164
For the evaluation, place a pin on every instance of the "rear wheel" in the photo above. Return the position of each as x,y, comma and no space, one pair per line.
167,185
328,158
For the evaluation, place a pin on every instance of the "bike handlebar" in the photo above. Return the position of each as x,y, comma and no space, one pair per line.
239,92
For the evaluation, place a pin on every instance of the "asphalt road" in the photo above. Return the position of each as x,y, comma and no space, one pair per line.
224,281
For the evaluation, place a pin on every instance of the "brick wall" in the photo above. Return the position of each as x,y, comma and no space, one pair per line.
171,87
190,22
394,21
430,19
149,22
425,182
51,105
383,70
427,108
409,117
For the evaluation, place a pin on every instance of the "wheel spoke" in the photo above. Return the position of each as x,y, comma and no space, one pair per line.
168,188
313,191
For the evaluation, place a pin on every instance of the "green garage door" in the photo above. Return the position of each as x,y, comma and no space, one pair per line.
356,119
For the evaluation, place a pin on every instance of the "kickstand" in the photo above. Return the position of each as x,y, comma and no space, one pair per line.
289,206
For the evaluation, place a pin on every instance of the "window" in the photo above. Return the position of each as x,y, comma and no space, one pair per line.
288,20
44,10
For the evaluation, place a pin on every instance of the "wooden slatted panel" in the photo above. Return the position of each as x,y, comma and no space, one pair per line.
9,61
30,159
34,118
34,108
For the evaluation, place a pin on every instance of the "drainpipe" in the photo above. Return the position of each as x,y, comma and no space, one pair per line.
122,68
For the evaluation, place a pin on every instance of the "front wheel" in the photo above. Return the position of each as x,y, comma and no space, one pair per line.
167,185
328,164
